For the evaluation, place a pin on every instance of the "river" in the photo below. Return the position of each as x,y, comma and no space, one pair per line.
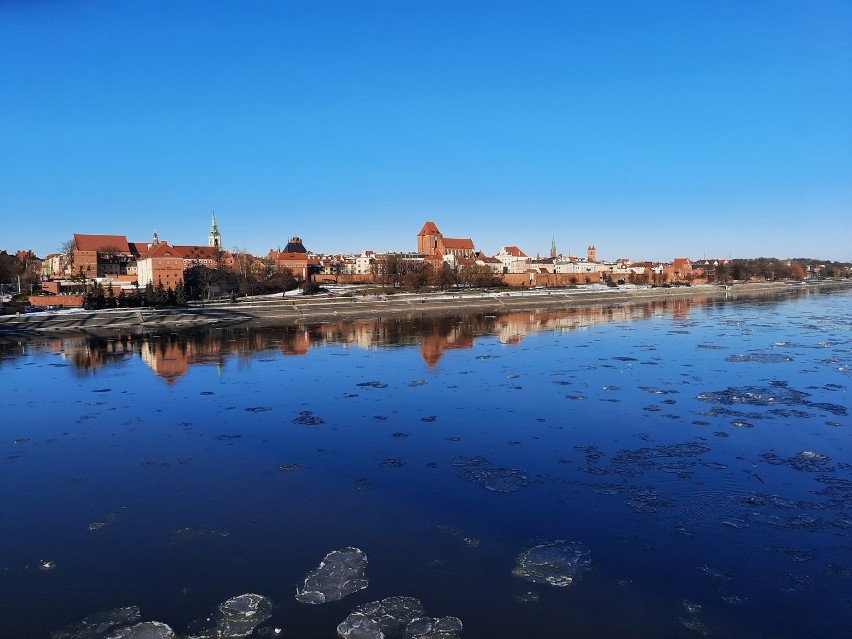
668,469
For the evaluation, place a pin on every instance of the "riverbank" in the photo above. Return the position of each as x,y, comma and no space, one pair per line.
296,310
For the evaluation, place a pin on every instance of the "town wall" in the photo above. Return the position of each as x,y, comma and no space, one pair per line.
66,301
548,279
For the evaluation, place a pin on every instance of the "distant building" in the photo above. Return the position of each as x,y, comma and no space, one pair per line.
161,264
295,246
102,255
296,258
491,262
513,259
592,253
209,256
432,243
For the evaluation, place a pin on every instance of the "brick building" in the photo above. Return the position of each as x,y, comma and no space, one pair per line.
432,243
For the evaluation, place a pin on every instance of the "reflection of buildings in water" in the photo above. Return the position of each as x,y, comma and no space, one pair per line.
170,356
297,344
166,359
90,354
432,346
680,309
512,327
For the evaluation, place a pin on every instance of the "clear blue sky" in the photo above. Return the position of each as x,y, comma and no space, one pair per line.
653,129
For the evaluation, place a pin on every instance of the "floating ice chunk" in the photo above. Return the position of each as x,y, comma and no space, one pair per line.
96,625
691,607
238,617
428,628
378,619
307,418
715,573
773,394
695,625
805,461
658,391
144,630
340,573
527,597
672,450
467,460
359,626
556,563
760,358
397,617
498,480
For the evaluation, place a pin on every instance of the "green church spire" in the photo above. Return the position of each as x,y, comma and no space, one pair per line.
214,238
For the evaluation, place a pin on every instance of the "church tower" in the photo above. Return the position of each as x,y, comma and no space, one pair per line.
553,246
592,253
214,238
430,242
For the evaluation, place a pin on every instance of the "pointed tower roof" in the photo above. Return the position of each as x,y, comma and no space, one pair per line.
214,238
429,228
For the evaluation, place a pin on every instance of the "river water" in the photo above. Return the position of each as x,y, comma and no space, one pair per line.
668,469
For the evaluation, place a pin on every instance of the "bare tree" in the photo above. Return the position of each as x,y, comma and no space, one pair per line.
66,249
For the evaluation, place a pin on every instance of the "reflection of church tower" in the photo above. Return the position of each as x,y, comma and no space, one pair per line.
214,238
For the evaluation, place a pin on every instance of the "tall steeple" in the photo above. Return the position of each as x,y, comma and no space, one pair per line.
553,246
214,238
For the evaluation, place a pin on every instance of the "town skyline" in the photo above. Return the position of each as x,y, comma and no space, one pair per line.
199,238
652,130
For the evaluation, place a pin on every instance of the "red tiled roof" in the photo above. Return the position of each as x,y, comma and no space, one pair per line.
100,242
514,251
290,257
458,243
680,262
429,229
162,250
197,252
138,248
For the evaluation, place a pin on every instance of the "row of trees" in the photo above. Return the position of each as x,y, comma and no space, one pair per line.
415,275
15,273
252,276
244,278
775,269
97,297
